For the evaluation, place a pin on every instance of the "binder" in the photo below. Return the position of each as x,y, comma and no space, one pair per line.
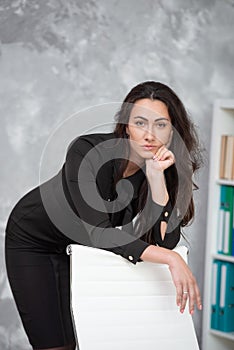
226,220
226,233
226,298
221,219
233,227
233,237
215,294
220,231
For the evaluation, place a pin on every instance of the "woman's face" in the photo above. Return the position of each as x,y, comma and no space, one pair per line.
149,127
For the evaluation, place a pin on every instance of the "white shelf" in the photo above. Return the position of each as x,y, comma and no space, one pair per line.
222,123
225,335
225,104
223,257
225,182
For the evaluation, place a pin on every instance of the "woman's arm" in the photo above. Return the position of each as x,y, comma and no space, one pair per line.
160,197
155,175
95,219
158,188
182,276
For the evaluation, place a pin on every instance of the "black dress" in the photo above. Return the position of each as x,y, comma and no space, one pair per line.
43,223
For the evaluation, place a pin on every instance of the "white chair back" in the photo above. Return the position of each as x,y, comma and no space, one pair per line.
120,306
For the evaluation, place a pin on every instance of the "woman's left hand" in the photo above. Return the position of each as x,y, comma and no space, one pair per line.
162,159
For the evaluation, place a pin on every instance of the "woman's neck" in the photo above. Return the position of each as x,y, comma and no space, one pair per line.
132,168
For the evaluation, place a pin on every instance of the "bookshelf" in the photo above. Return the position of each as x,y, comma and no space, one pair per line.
223,123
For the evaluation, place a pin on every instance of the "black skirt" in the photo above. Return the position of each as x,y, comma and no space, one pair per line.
38,270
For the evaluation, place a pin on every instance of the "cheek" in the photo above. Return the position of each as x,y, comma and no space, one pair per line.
162,136
136,134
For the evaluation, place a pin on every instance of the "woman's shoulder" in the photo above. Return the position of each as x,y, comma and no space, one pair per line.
87,141
27,203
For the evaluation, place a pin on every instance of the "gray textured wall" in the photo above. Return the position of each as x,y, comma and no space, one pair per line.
60,56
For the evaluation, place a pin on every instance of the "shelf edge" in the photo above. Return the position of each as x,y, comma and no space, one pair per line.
223,257
223,334
225,182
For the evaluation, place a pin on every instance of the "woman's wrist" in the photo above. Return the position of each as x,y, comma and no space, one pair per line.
158,254
155,174
161,201
158,188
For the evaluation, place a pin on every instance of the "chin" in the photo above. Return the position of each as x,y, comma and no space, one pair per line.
147,156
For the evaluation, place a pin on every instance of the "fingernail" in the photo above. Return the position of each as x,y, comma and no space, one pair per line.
182,310
200,307
191,312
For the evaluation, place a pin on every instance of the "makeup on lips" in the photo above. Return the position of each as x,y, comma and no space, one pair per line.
148,147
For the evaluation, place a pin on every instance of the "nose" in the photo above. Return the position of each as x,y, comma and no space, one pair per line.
149,135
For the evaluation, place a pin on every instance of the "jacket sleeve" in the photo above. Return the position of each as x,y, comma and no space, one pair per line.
172,235
92,209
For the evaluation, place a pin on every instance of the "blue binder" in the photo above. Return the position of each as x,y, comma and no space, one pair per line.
225,221
221,219
215,293
226,298
233,237
228,207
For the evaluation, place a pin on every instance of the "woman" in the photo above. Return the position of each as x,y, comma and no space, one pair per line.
93,181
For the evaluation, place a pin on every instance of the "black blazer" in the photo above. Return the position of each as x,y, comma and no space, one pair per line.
82,202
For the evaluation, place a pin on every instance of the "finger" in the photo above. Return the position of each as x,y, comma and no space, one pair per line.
166,155
194,296
192,299
160,156
164,164
163,155
185,295
198,298
178,294
160,151
168,162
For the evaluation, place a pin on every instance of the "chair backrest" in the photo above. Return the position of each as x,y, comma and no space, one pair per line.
120,306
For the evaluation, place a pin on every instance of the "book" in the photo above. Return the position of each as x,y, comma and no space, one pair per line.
222,156
229,154
226,167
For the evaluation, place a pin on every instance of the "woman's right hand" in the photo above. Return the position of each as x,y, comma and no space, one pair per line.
183,279
185,283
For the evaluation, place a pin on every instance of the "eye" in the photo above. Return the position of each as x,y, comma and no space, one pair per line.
161,125
139,123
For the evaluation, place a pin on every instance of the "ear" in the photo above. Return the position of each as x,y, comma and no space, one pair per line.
127,129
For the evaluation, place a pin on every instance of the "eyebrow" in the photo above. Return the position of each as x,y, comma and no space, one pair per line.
162,118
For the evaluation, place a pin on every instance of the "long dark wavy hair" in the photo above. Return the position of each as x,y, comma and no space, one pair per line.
189,160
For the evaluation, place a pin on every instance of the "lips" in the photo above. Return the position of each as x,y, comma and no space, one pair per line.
148,147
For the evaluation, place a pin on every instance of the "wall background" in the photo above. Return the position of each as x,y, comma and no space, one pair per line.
57,57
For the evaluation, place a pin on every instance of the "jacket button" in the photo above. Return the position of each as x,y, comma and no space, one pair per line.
108,199
166,213
130,257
